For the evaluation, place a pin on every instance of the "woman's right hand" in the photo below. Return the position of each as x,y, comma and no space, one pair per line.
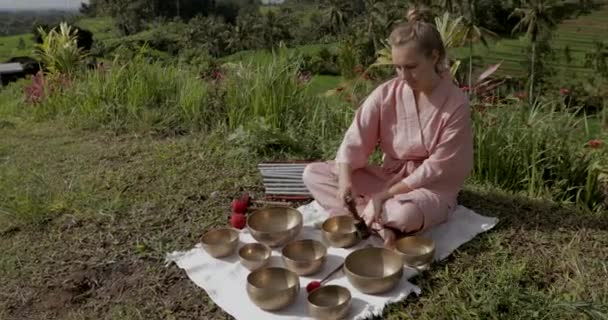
345,191
345,185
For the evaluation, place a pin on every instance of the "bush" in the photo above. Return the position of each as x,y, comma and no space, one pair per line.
324,62
538,151
136,96
59,51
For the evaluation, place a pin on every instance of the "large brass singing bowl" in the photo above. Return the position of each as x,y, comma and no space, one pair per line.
220,242
329,303
304,257
275,226
415,251
340,231
272,288
254,255
373,270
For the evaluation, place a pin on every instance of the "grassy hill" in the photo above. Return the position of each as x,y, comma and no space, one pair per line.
9,46
577,34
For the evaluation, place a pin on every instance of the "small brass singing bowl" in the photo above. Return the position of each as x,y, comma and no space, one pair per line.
329,303
304,257
220,242
274,226
272,288
415,251
373,270
254,255
340,231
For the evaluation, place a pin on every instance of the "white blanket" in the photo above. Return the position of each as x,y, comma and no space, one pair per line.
224,279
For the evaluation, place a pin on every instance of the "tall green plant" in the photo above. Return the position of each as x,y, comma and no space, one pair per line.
347,59
538,151
136,96
269,91
59,51
452,33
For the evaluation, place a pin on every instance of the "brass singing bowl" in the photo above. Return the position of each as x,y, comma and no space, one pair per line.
415,251
272,288
329,303
340,231
373,270
254,255
275,226
304,257
220,242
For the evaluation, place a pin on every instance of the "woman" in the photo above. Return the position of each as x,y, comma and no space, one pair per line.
421,121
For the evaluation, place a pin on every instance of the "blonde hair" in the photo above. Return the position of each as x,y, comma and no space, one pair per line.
424,34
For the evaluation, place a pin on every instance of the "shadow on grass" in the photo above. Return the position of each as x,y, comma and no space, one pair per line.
518,215
523,213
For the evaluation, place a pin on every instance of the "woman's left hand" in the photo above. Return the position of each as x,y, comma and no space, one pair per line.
388,236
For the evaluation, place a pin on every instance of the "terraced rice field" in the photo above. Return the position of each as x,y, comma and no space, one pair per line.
575,35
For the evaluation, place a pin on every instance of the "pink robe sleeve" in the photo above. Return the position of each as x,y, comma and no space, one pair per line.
452,160
362,136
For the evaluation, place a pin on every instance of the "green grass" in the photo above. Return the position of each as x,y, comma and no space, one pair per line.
538,150
263,57
103,28
321,84
129,199
270,112
9,46
128,164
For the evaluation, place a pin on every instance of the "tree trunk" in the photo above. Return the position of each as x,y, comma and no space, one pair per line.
470,67
532,71
370,35
178,8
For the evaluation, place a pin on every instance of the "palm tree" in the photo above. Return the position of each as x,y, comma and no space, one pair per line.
536,19
473,33
450,5
452,34
585,5
337,13
376,21
598,59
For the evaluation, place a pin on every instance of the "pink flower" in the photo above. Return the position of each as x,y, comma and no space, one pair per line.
564,91
490,99
594,144
217,75
522,95
480,108
35,92
304,77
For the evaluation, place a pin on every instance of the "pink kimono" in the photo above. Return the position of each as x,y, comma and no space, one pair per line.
429,148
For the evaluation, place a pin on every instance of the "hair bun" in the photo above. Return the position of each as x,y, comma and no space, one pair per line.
416,15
